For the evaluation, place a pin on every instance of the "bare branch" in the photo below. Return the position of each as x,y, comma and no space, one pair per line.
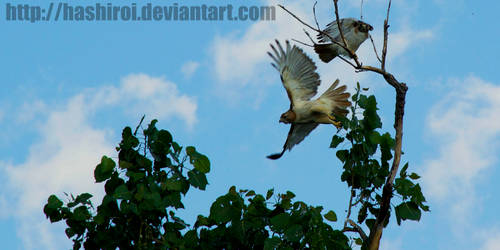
303,43
353,193
347,61
374,48
351,53
386,34
355,228
321,32
314,12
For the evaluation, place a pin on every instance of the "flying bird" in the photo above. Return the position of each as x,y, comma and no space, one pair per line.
299,77
355,33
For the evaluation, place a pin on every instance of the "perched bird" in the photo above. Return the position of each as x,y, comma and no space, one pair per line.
355,33
299,77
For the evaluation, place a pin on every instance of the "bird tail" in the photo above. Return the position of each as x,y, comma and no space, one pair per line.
338,98
325,52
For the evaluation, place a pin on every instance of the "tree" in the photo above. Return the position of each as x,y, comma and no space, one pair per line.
411,195
145,189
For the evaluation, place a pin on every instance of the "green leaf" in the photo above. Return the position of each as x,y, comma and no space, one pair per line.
403,186
408,211
402,173
358,241
370,222
122,192
342,155
82,198
69,232
250,193
81,213
331,216
272,243
104,170
414,176
294,233
270,193
336,140
199,161
173,185
197,179
280,221
54,202
165,137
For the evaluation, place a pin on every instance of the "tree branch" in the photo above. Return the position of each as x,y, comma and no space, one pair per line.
386,34
373,241
351,53
355,228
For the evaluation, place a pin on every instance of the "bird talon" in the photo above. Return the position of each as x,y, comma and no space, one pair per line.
337,124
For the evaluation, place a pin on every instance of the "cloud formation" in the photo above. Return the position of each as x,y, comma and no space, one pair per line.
189,68
240,59
69,147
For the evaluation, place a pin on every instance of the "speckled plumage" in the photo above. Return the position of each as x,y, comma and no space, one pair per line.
355,33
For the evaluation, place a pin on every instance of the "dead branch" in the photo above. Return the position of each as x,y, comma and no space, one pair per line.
351,53
386,34
355,228
374,48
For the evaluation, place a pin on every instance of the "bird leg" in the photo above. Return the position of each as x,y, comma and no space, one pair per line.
337,124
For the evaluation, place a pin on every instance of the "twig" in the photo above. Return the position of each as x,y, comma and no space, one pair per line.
355,228
314,12
303,43
386,34
347,61
353,193
374,48
310,38
319,31
351,53
137,128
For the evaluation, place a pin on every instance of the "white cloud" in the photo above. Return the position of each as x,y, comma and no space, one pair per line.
70,147
189,68
153,96
240,59
30,110
492,241
391,244
466,126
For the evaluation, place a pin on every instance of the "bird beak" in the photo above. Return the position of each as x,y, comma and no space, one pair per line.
282,120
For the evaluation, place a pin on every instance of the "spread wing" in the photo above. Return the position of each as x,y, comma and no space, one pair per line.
332,29
297,70
297,133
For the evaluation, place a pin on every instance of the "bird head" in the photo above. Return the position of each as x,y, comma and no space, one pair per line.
288,117
363,27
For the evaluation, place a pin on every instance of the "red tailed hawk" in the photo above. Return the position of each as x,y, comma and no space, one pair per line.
355,33
301,82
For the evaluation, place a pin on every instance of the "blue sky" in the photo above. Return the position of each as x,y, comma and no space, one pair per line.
68,88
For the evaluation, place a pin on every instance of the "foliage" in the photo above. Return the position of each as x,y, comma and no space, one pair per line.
366,164
145,189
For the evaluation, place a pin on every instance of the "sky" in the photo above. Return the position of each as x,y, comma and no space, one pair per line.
70,87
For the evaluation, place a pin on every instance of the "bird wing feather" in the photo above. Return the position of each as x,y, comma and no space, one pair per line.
297,70
297,133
